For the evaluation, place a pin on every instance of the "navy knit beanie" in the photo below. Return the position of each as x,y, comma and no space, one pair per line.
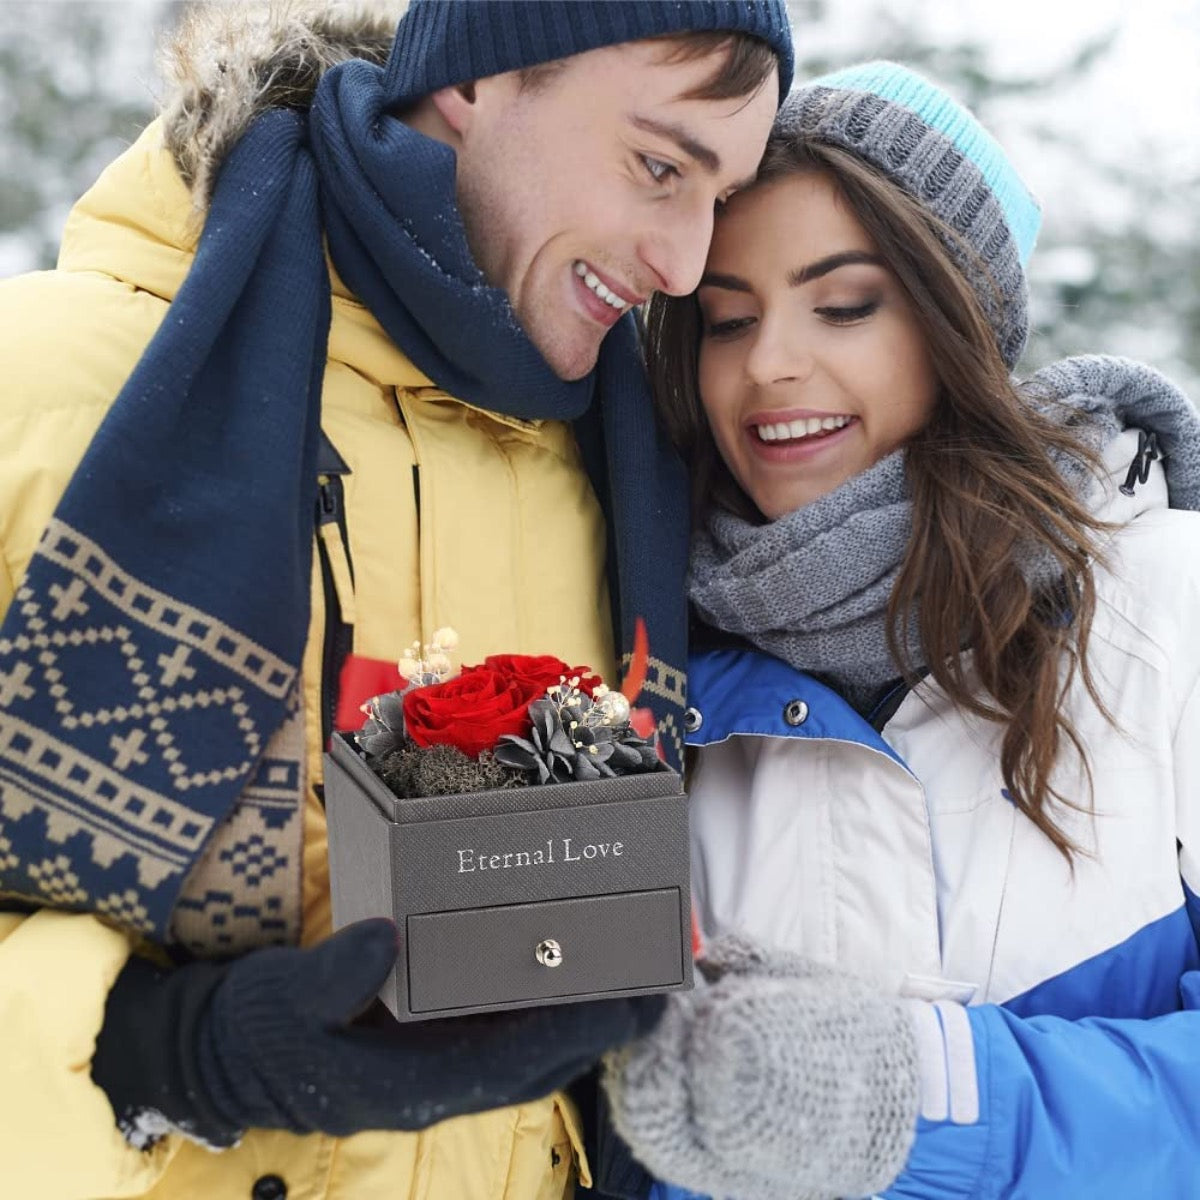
443,42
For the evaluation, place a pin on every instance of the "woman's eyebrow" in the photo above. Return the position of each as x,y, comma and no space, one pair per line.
731,283
798,275
823,266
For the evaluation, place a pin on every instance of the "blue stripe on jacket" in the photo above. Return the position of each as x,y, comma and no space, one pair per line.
1074,1103
1137,978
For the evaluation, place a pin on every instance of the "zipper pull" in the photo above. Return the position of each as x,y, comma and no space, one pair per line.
329,498
1139,469
330,505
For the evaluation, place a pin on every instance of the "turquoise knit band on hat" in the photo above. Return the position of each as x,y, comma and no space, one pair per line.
927,143
443,42
940,112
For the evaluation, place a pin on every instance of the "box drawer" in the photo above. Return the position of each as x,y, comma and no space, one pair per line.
483,956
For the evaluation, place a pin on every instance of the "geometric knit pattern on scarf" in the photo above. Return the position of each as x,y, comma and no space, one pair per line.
812,587
149,660
151,756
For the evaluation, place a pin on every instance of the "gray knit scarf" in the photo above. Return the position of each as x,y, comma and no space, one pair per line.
812,587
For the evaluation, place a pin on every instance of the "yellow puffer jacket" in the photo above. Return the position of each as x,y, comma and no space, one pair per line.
494,494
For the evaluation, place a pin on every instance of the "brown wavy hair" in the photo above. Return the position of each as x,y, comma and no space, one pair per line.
986,494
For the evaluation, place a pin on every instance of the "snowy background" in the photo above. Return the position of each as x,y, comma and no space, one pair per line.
1098,104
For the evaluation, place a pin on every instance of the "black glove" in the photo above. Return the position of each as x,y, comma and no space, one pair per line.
266,1041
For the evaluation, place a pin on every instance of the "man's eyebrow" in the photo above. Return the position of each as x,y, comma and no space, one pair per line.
708,158
823,266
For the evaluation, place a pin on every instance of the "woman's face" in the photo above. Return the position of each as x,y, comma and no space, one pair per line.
812,365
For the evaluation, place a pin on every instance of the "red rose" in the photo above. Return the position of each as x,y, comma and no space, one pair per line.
470,711
543,669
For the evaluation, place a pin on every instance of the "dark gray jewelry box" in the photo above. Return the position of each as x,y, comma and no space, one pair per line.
515,897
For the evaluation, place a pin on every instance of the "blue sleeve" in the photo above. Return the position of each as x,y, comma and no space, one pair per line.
1192,904
1103,1108
669,1191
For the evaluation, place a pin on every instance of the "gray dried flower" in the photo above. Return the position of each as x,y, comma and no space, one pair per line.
383,731
441,771
571,740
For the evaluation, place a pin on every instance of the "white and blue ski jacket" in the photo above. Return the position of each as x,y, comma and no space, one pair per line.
1061,1038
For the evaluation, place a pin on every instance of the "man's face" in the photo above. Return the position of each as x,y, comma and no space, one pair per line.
595,185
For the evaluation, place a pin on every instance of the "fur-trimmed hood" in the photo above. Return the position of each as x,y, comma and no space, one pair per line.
225,64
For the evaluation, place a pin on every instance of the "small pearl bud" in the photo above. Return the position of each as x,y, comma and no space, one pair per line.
615,708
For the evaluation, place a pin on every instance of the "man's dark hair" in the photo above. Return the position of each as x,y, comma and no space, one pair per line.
745,67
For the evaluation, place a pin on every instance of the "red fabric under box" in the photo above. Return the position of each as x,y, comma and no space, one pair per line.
362,678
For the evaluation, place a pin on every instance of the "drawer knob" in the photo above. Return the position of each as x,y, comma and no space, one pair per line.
549,953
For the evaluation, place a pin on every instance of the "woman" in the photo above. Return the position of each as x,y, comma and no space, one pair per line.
945,789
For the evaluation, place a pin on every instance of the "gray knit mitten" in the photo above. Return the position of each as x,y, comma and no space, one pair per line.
774,1077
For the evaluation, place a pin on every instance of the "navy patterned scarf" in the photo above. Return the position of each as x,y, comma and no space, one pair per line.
151,743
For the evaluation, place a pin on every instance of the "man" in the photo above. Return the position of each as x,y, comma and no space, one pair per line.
457,393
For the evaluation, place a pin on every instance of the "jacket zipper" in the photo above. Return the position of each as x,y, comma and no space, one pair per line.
887,705
333,551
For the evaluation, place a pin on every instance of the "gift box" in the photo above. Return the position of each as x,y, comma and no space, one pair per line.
515,897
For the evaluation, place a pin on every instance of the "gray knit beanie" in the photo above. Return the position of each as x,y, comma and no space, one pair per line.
928,144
